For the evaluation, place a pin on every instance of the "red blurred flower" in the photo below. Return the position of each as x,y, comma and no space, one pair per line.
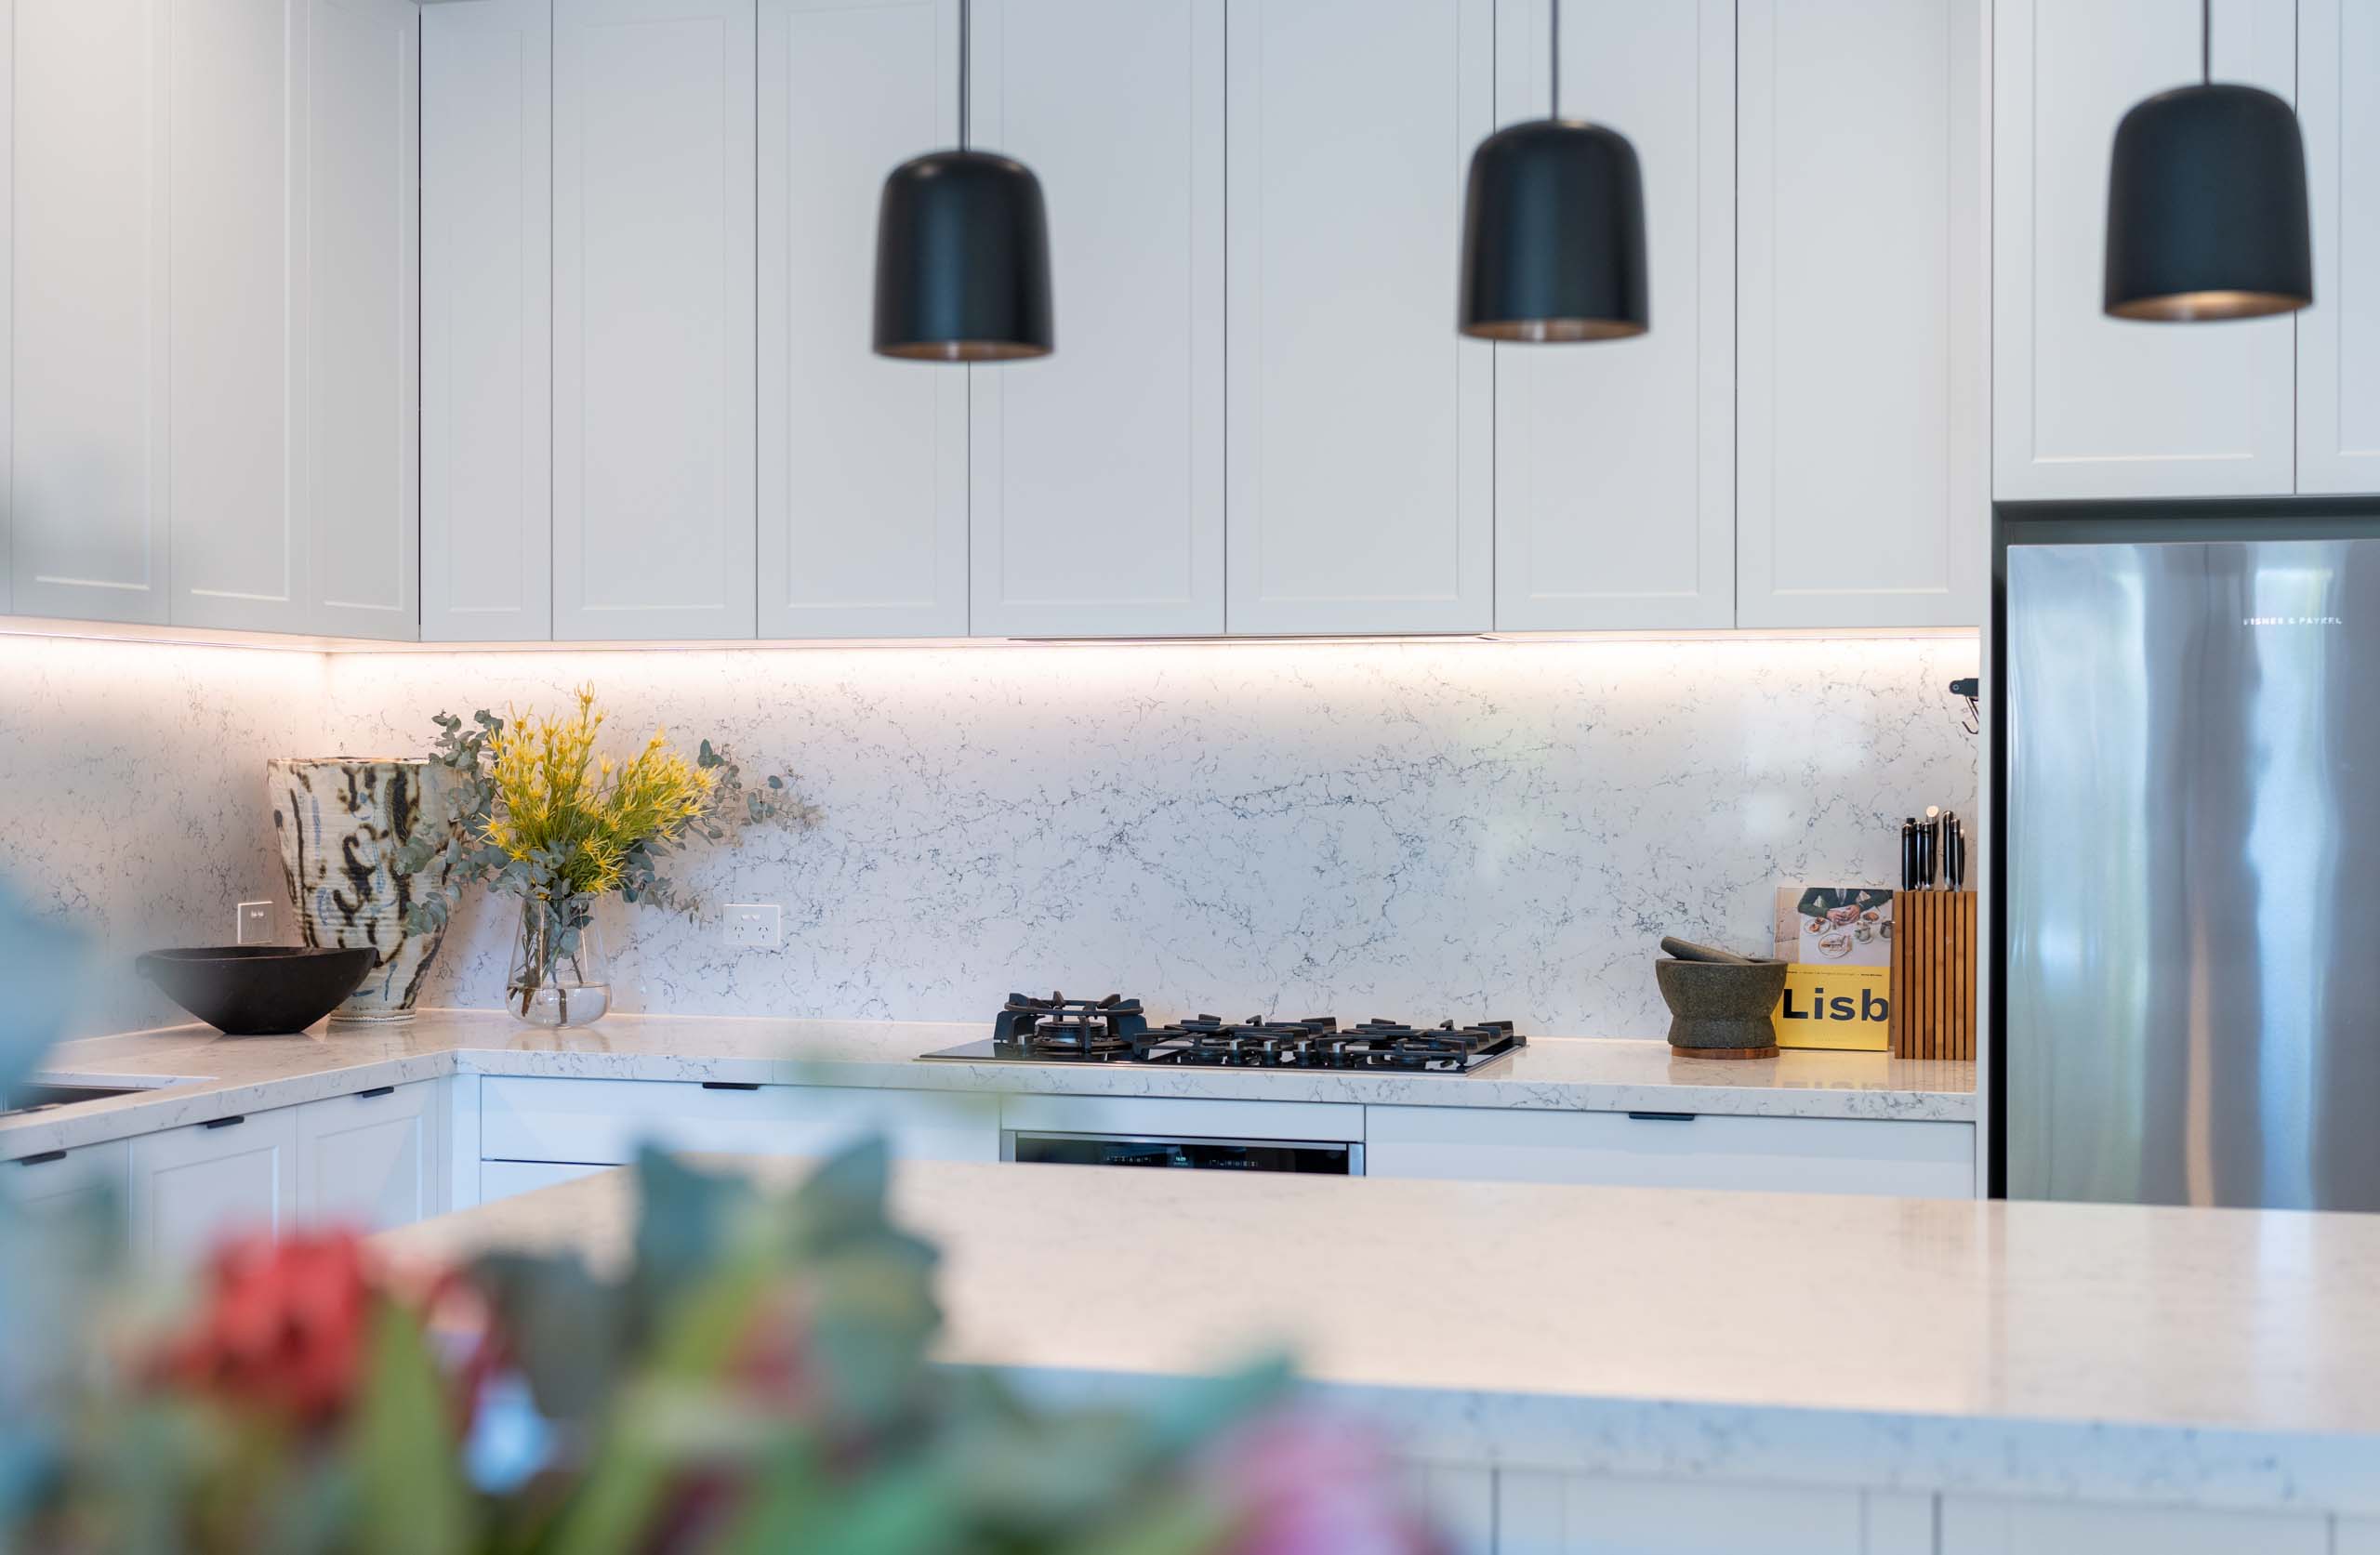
283,1328
1311,1486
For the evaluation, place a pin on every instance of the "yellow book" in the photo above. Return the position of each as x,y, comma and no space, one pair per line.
1838,988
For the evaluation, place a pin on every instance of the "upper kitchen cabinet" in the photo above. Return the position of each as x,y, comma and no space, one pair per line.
1615,463
863,460
654,141
1360,424
2085,405
1862,325
1098,472
486,321
2338,338
85,394
235,356
358,399
212,284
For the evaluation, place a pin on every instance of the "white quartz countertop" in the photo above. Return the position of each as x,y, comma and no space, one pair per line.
2101,1352
199,1075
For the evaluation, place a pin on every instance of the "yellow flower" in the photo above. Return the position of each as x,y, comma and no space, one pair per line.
553,793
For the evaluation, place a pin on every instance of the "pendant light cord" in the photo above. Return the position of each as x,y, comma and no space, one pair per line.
965,17
2206,42
1555,46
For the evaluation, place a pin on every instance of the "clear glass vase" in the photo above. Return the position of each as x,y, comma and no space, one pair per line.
559,975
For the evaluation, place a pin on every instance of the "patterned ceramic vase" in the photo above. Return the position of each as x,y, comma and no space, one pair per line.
342,824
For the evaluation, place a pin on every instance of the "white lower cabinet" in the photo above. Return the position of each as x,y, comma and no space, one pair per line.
604,1122
192,1187
68,1181
1546,1513
1976,1526
1673,1150
372,1161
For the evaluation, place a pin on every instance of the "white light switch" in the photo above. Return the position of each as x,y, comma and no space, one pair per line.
753,925
254,926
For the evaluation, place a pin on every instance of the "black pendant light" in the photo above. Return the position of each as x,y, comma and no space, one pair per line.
2206,204
962,254
1553,231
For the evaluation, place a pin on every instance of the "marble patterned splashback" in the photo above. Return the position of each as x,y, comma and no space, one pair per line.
1418,830
132,795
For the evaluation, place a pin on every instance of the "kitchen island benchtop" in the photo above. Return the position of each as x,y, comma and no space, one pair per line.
208,1076
2113,1354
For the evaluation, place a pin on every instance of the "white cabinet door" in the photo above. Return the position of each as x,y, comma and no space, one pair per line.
77,1181
1974,1527
1673,1150
1542,1513
604,1122
2085,405
653,263
863,460
237,350
371,1161
1098,473
2338,338
1863,208
85,441
486,321
194,1186
1360,486
363,285
1615,463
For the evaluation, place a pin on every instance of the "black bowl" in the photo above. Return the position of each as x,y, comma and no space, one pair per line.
258,989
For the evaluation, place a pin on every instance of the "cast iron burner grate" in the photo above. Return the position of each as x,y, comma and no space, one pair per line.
1058,1027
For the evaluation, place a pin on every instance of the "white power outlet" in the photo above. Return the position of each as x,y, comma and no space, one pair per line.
254,926
754,925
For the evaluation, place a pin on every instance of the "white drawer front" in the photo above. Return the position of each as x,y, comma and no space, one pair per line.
1189,1117
1782,1154
602,1122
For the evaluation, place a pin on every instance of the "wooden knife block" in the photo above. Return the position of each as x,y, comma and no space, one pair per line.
1934,974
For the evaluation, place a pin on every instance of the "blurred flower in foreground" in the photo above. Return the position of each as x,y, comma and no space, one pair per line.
1311,1486
756,1379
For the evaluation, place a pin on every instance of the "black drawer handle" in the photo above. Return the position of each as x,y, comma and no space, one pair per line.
375,1091
43,1159
226,1122
1664,1117
731,1085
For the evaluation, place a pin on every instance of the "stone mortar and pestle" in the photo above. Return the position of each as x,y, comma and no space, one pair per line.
1719,1002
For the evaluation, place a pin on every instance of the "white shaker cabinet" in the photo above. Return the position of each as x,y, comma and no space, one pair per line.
1359,424
2085,405
487,321
863,460
654,164
2338,338
194,1186
358,398
1615,462
1863,333
1974,1525
236,355
373,1159
85,393
1098,472
75,1182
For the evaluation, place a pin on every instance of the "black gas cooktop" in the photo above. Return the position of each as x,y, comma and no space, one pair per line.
1115,1029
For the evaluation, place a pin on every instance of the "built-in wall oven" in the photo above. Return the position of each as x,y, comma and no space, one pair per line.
1309,1157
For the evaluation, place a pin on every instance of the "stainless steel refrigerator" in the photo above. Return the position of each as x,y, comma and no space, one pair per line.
2187,866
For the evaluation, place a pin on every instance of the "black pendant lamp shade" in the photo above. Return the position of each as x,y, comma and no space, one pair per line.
963,260
962,253
1554,236
1554,228
2206,205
